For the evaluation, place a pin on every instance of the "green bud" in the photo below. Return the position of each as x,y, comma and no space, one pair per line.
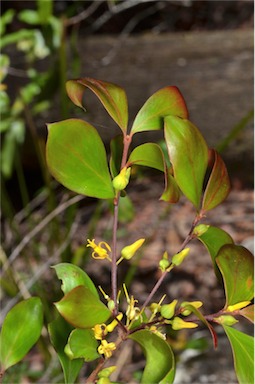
163,264
129,251
122,179
111,305
106,372
187,312
178,258
178,324
226,320
167,310
200,229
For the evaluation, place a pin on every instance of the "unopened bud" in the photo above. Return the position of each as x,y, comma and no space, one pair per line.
226,320
122,179
106,372
178,324
164,262
187,312
129,251
235,307
111,305
178,258
200,229
167,310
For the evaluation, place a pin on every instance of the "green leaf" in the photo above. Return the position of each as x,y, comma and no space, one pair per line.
248,313
72,276
243,352
236,264
188,154
81,308
116,146
29,16
213,239
76,157
149,155
160,364
166,101
172,192
112,97
82,344
59,331
218,186
21,330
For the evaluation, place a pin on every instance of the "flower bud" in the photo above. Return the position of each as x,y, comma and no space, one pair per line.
226,320
200,229
178,258
178,324
235,307
164,262
167,310
187,312
111,305
106,372
122,179
129,251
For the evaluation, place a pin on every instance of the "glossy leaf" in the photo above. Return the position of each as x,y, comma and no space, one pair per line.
81,308
172,192
218,186
116,147
72,276
59,331
166,101
112,97
188,154
20,331
149,155
213,239
160,364
248,313
236,264
82,344
243,352
76,157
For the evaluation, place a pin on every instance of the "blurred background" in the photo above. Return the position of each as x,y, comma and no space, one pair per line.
205,48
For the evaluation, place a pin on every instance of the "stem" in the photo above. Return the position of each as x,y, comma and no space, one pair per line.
162,277
114,283
92,378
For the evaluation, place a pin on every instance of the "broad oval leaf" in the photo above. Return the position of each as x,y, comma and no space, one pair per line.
243,352
76,157
213,239
218,186
20,331
81,308
59,331
166,101
149,155
188,154
236,265
112,97
72,276
82,344
160,363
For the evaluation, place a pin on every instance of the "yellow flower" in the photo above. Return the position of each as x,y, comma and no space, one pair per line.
132,312
100,331
178,323
101,250
157,332
106,348
110,327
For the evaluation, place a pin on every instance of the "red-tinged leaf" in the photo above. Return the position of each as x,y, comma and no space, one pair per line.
76,157
81,308
248,313
188,154
236,265
206,323
243,352
166,101
172,192
149,155
218,185
112,97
